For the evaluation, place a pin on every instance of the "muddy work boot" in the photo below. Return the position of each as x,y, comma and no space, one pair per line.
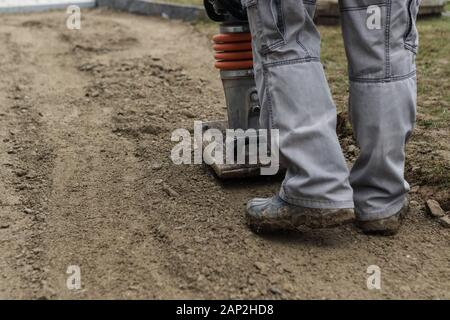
274,214
387,226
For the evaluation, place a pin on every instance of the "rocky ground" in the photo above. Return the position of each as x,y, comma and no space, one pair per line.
86,179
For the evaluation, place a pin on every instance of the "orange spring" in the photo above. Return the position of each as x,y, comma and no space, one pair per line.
233,51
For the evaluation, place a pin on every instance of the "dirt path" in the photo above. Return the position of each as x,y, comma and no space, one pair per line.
85,123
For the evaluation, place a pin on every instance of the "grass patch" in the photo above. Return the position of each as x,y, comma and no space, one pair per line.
433,63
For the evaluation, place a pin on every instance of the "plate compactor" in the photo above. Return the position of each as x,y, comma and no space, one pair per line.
234,59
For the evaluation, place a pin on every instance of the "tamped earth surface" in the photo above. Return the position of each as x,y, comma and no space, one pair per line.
86,179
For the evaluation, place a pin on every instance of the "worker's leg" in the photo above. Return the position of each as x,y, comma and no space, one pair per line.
296,100
381,42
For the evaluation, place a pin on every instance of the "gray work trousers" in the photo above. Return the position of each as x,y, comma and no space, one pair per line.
381,42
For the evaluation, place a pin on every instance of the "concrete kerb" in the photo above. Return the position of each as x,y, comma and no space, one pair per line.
155,8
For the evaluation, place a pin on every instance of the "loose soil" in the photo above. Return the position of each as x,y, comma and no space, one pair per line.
86,178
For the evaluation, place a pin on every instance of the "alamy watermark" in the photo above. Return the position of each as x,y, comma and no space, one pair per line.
234,146
73,281
73,21
373,21
374,280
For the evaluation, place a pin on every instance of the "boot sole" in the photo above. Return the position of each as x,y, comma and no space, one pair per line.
332,220
385,227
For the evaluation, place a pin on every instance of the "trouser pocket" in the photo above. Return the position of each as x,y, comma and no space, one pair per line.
284,28
411,37
266,23
365,24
